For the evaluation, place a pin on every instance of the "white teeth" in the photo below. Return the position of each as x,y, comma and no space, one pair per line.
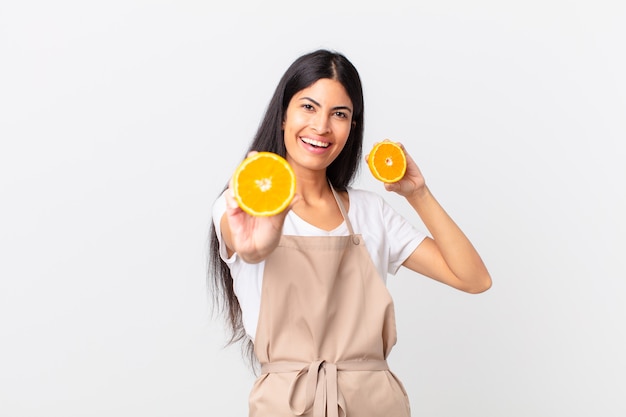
316,143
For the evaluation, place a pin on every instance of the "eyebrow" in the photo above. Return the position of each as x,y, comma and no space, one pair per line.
334,108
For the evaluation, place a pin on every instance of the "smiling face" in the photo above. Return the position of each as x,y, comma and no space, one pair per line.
317,125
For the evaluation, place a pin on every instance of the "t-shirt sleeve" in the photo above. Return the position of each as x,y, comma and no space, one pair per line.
219,208
402,237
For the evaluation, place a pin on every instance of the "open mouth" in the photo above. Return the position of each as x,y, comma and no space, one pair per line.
315,143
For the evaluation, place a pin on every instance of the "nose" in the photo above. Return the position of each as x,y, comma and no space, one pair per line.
320,124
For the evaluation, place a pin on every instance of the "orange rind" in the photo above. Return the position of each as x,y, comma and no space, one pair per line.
387,161
264,184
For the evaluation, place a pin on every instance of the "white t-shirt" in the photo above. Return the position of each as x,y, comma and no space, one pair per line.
389,239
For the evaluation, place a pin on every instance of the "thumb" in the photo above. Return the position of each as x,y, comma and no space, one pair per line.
295,200
391,186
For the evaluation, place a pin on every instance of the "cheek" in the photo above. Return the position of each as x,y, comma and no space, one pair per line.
343,131
294,120
341,144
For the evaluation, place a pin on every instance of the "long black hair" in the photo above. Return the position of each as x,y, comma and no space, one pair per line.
305,71
302,73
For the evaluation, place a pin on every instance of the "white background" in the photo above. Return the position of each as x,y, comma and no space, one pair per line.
120,122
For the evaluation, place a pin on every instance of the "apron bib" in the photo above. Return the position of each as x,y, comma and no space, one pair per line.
326,326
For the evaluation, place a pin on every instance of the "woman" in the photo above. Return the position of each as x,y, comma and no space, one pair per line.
307,286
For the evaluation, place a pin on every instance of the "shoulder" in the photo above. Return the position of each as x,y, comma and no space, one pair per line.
371,208
360,196
365,204
219,207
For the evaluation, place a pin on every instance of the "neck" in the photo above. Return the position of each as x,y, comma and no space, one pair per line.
312,185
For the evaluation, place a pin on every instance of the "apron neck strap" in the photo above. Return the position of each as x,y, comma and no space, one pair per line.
342,209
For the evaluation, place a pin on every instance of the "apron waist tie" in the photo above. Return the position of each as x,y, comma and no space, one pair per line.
322,391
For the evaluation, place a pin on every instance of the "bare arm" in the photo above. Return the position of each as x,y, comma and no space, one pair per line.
449,256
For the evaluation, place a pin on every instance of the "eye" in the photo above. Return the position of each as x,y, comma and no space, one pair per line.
307,106
341,115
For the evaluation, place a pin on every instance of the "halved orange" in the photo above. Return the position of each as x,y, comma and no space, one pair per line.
264,184
387,161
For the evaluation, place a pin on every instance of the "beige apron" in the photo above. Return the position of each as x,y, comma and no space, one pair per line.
326,326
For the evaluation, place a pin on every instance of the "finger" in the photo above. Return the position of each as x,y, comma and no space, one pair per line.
231,202
390,186
280,217
296,199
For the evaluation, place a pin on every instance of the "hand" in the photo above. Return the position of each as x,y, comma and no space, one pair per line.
252,238
413,182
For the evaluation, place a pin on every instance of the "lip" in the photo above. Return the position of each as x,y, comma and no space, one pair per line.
314,149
